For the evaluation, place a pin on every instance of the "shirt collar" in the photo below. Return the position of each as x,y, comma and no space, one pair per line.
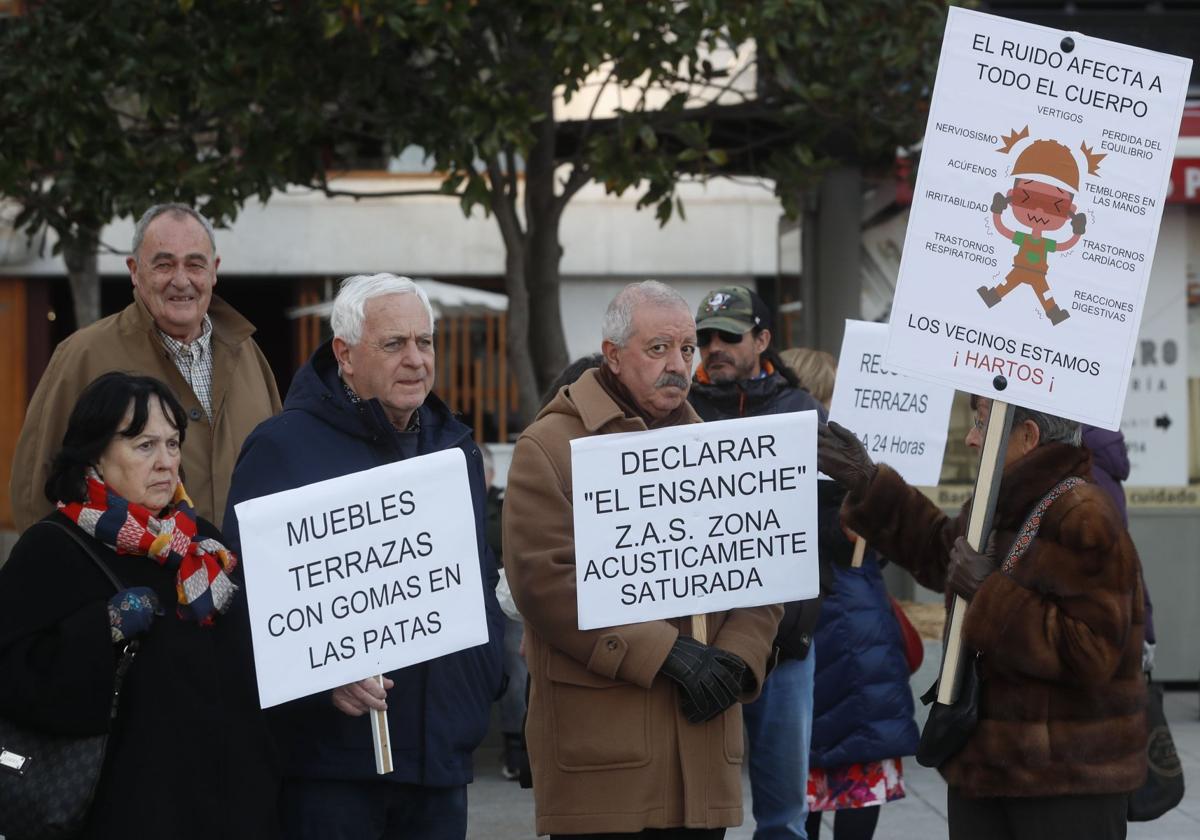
184,347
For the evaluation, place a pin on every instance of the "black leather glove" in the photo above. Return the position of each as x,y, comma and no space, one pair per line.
709,678
842,457
999,202
968,568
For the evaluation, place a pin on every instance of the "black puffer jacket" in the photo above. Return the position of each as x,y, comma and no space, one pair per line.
771,394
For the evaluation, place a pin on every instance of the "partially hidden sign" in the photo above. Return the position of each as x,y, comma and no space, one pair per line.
1043,173
901,421
695,519
361,574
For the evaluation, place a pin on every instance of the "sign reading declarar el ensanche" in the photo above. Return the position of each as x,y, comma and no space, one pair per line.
361,574
695,519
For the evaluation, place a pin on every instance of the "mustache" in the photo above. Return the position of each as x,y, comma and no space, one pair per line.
718,357
671,380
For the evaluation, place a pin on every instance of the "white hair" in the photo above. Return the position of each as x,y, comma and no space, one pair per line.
349,307
139,230
617,326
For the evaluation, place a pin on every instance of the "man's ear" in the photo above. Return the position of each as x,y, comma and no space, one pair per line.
762,341
341,352
131,264
1031,435
610,352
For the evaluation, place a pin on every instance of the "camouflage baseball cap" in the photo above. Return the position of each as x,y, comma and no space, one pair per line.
733,309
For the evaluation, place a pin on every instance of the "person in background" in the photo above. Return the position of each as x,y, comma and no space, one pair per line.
739,375
513,759
1110,468
176,330
187,755
862,705
365,399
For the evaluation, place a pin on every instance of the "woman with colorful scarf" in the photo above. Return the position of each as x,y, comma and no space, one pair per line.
187,755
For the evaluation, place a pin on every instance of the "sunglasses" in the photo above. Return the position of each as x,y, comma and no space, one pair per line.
705,337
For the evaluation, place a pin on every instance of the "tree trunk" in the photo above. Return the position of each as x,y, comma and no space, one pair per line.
837,254
83,272
543,254
503,194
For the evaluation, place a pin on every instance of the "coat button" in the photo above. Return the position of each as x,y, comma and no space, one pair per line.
194,414
611,644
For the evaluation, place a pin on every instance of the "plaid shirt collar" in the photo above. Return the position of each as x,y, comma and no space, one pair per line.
192,350
194,361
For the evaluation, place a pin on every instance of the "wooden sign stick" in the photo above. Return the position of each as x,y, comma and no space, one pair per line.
700,628
860,551
381,737
979,525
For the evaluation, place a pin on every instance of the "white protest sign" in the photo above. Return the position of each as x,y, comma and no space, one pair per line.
1155,420
361,574
1035,216
900,420
694,519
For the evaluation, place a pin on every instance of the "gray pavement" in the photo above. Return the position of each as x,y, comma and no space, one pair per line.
500,810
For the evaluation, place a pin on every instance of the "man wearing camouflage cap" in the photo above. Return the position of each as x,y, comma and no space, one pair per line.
740,375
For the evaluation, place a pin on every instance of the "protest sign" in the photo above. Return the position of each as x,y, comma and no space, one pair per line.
694,519
361,574
900,420
1155,420
1035,216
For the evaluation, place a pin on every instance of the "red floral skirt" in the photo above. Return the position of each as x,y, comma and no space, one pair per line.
855,786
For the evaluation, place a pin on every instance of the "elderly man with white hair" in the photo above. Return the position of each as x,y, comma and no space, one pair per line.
634,729
365,399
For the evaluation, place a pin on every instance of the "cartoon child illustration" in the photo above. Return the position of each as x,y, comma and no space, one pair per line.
1046,178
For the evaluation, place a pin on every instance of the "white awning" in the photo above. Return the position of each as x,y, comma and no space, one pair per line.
446,299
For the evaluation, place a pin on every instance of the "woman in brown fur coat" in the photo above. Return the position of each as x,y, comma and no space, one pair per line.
1061,737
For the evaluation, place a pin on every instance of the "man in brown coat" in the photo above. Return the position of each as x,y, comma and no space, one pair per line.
635,727
175,330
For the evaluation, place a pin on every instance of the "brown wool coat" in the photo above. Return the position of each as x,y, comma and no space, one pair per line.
1062,710
610,750
243,395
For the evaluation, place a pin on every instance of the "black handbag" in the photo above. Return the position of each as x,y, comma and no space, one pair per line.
1163,788
47,782
949,726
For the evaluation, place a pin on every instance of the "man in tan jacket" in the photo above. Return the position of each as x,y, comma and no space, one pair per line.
638,727
175,330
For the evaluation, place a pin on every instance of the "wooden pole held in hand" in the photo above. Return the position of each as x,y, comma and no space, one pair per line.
979,525
381,737
860,551
700,628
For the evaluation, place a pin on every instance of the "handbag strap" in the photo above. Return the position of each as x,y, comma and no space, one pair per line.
131,648
1034,521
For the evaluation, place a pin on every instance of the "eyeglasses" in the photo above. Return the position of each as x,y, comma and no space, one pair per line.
705,337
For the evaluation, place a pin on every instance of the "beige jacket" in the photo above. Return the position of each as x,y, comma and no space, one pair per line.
610,749
243,395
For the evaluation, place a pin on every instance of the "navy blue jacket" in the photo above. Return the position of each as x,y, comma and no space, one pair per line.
772,394
439,710
862,705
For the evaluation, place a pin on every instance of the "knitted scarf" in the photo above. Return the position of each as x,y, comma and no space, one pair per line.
202,565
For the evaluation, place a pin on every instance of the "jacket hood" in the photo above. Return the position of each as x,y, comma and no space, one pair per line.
1108,451
317,390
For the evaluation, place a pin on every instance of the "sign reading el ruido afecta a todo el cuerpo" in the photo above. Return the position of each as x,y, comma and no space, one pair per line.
901,421
1044,167
361,574
695,519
